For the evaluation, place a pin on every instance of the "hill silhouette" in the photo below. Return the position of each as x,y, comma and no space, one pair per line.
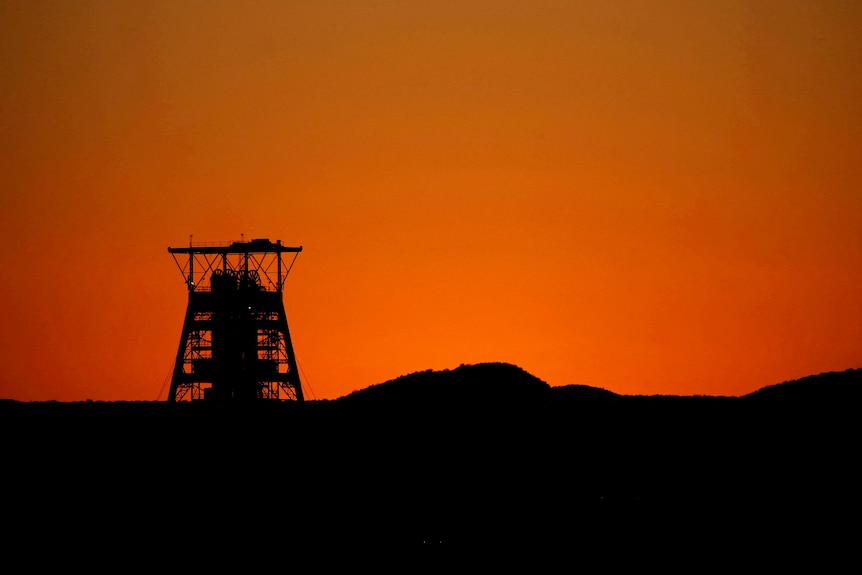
475,384
501,382
486,458
830,387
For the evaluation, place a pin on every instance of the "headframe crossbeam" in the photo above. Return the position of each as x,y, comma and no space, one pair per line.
259,255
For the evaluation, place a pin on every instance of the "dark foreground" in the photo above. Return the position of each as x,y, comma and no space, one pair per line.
534,475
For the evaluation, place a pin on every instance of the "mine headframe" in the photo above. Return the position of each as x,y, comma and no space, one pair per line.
235,343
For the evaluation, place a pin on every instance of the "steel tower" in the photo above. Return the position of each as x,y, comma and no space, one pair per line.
235,344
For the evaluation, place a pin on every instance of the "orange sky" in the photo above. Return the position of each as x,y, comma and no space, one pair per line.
649,197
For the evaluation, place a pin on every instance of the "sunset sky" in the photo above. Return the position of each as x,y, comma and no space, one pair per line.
652,197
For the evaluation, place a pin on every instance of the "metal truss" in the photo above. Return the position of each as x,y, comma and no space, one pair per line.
235,343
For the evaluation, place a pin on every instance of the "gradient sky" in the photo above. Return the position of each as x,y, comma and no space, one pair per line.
653,197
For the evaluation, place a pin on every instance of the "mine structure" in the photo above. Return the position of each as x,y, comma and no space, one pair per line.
235,343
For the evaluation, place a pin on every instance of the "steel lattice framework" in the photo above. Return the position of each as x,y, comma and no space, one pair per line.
235,343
